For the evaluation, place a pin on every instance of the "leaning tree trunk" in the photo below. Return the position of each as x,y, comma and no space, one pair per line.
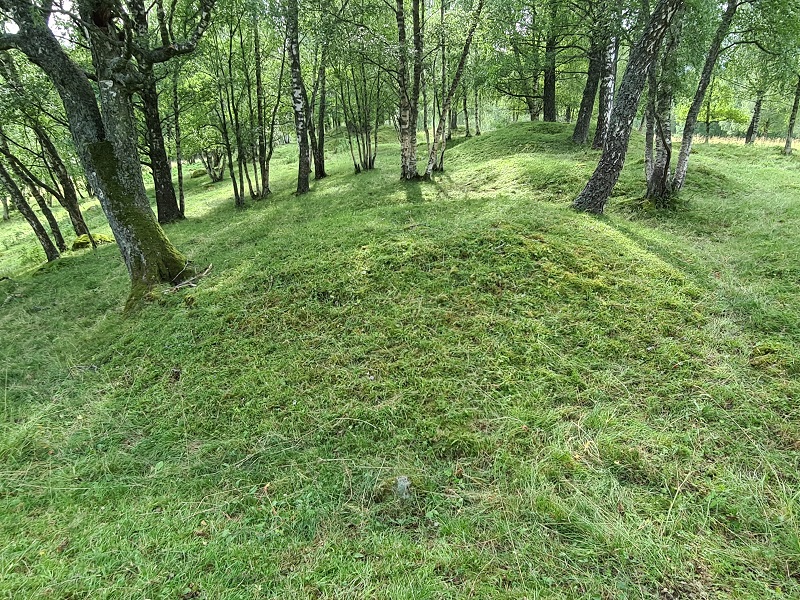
594,196
299,100
4,200
106,146
608,78
25,210
705,79
34,185
438,138
752,130
787,149
580,135
265,189
25,176
69,195
166,203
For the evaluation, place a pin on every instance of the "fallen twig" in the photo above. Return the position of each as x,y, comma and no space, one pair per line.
191,282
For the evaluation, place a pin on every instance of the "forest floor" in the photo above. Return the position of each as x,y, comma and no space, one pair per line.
586,407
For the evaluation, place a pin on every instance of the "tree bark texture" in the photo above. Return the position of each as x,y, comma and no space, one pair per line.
105,144
409,87
608,79
299,100
724,27
787,148
752,129
594,196
167,206
659,183
69,195
549,90
580,135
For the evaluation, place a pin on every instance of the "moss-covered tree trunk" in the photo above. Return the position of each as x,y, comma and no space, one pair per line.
105,143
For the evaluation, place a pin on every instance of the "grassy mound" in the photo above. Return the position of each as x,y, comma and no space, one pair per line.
584,407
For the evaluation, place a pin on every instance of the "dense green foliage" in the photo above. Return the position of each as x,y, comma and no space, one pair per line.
586,407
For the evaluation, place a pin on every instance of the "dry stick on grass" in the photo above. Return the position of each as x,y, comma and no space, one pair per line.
192,282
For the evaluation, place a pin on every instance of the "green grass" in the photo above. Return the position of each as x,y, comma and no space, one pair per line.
586,407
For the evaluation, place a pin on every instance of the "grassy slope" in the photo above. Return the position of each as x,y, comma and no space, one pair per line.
586,407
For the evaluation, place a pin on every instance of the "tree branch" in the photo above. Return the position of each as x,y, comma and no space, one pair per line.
164,53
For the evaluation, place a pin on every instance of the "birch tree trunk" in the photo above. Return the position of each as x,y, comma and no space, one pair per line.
299,99
608,79
705,79
409,87
787,148
594,196
580,135
659,183
438,138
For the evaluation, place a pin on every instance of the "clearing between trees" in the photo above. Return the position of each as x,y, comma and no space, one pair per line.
585,407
